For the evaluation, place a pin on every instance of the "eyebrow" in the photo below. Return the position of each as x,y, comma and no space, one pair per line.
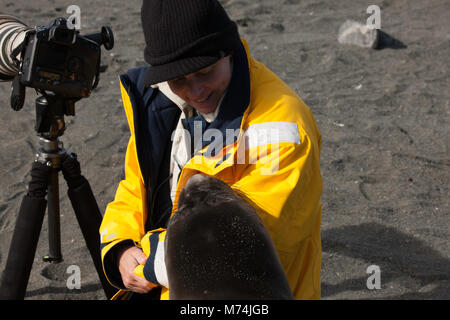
206,69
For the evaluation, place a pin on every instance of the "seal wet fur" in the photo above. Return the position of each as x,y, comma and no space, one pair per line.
218,248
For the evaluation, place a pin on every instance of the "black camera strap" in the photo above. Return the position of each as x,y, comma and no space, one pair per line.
15,52
97,76
17,94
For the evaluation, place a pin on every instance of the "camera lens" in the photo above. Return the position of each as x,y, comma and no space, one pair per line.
12,34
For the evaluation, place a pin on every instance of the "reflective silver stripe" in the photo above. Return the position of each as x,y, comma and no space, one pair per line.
160,266
265,133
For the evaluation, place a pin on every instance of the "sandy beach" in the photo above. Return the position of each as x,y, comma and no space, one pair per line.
383,115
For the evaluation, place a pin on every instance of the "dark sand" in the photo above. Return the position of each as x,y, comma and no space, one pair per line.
383,115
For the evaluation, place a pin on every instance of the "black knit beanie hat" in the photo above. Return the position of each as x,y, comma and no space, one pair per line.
184,36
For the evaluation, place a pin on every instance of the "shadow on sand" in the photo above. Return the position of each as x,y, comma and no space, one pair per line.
386,41
397,254
63,290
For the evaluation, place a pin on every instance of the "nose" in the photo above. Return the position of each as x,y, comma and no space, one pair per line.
195,90
196,179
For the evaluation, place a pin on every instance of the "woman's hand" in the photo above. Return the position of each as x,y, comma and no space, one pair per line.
128,260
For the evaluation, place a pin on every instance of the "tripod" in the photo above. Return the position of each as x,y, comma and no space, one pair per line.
50,111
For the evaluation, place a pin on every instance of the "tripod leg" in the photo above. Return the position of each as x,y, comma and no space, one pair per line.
54,229
89,218
23,248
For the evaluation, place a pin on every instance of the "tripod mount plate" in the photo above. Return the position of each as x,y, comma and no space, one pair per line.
51,152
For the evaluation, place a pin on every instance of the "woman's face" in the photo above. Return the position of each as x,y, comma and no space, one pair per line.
204,88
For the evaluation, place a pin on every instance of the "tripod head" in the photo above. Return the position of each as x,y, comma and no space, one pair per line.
50,125
50,111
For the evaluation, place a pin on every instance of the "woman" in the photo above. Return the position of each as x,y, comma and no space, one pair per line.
202,84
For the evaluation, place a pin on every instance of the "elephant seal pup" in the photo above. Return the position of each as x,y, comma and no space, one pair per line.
218,248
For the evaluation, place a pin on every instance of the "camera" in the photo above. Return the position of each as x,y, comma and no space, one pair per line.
59,60
54,59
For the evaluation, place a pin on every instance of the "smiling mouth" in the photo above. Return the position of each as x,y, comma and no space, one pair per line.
203,100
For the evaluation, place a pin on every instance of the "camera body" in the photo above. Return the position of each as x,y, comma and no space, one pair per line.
58,59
